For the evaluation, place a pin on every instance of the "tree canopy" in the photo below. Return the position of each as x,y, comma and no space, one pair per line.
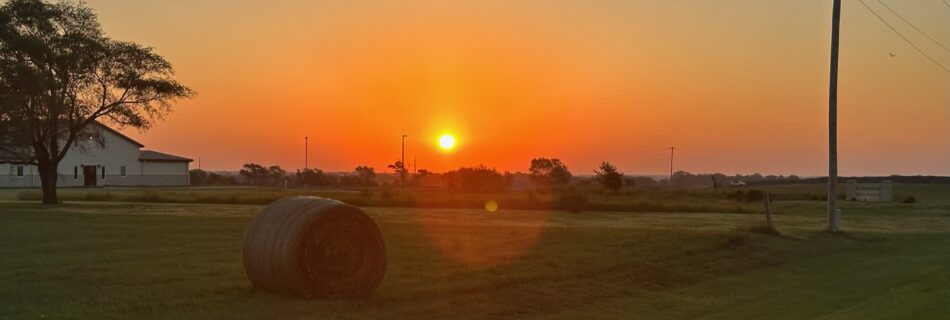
549,172
609,177
59,74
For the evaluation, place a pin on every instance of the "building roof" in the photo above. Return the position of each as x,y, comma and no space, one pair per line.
9,157
6,155
155,156
116,132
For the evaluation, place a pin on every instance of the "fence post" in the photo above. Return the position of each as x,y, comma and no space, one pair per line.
768,209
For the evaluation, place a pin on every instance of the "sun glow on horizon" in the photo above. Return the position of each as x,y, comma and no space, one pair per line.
447,142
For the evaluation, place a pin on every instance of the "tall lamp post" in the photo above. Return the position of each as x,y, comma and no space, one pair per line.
306,153
402,169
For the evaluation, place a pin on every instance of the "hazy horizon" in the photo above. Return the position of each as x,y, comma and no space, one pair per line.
736,86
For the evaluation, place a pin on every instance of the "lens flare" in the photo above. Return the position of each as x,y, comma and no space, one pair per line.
481,240
491,206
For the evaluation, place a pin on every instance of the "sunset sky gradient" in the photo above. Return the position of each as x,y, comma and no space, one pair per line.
737,86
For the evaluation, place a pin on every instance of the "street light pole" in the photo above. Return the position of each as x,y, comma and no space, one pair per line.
402,170
306,153
833,217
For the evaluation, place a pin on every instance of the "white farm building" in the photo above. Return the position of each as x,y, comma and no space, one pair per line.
113,160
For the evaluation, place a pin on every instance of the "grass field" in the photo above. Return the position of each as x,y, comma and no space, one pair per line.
726,200
98,260
635,200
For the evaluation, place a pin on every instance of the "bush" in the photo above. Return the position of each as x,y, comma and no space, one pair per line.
572,201
754,195
910,199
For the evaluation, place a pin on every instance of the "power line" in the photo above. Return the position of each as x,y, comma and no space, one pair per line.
903,37
946,3
913,26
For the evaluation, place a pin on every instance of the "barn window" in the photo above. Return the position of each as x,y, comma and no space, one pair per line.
122,171
103,172
75,172
19,171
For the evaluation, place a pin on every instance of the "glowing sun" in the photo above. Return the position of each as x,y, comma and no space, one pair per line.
447,142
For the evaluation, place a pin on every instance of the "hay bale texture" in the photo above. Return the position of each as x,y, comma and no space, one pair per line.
315,247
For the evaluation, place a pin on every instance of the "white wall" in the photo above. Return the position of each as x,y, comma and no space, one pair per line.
165,173
9,178
115,153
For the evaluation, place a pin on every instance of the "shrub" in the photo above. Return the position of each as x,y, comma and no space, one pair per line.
910,199
754,195
572,201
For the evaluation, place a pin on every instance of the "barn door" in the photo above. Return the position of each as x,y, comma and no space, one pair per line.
89,176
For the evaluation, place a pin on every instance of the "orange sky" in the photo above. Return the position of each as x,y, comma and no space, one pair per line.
738,86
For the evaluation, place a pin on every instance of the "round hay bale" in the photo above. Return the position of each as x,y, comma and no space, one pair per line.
315,247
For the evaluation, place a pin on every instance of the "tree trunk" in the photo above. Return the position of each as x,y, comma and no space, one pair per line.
49,176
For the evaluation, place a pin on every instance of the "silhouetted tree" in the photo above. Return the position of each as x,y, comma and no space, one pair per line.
59,74
276,175
398,167
253,173
549,172
198,177
204,178
366,176
418,176
477,179
609,177
312,178
258,175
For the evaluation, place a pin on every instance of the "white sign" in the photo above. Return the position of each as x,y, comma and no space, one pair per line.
870,192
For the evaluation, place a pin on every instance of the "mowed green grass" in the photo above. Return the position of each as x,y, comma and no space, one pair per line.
183,261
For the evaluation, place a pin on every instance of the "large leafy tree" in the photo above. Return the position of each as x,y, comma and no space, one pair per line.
366,176
59,74
609,177
480,179
549,172
258,175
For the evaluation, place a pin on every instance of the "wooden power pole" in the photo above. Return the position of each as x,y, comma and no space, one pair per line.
834,218
671,166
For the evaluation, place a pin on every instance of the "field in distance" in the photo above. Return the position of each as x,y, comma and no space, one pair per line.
628,199
183,261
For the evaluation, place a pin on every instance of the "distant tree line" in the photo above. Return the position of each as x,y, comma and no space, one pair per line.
253,174
545,174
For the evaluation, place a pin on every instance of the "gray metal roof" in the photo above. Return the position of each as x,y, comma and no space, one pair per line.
149,155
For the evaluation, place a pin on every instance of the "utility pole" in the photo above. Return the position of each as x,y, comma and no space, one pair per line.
402,171
671,165
834,217
306,153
